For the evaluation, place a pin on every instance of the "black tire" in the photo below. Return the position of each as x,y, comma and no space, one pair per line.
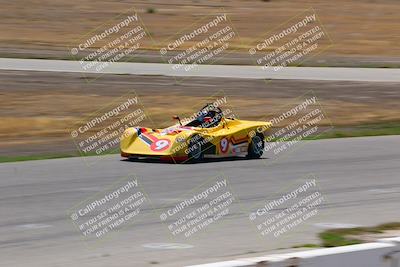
195,149
256,146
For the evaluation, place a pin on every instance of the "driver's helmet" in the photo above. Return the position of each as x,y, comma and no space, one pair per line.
210,114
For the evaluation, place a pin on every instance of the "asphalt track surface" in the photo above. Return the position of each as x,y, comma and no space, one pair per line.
227,71
358,177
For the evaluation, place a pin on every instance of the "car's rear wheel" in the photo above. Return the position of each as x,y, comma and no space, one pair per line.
195,149
256,146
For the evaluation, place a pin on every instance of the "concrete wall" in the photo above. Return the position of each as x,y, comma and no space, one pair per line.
383,253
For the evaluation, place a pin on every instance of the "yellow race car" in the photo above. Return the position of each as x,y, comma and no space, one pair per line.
209,134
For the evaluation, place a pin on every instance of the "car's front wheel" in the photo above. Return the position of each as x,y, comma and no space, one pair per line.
256,146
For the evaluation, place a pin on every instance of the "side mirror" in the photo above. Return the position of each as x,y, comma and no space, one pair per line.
177,118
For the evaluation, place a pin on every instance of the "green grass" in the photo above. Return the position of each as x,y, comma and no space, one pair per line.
380,129
35,157
307,246
330,239
151,10
147,59
4,159
348,236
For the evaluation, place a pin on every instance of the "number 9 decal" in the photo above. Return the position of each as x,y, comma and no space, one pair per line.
224,143
160,145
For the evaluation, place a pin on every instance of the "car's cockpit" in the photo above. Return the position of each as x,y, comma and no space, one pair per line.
208,117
